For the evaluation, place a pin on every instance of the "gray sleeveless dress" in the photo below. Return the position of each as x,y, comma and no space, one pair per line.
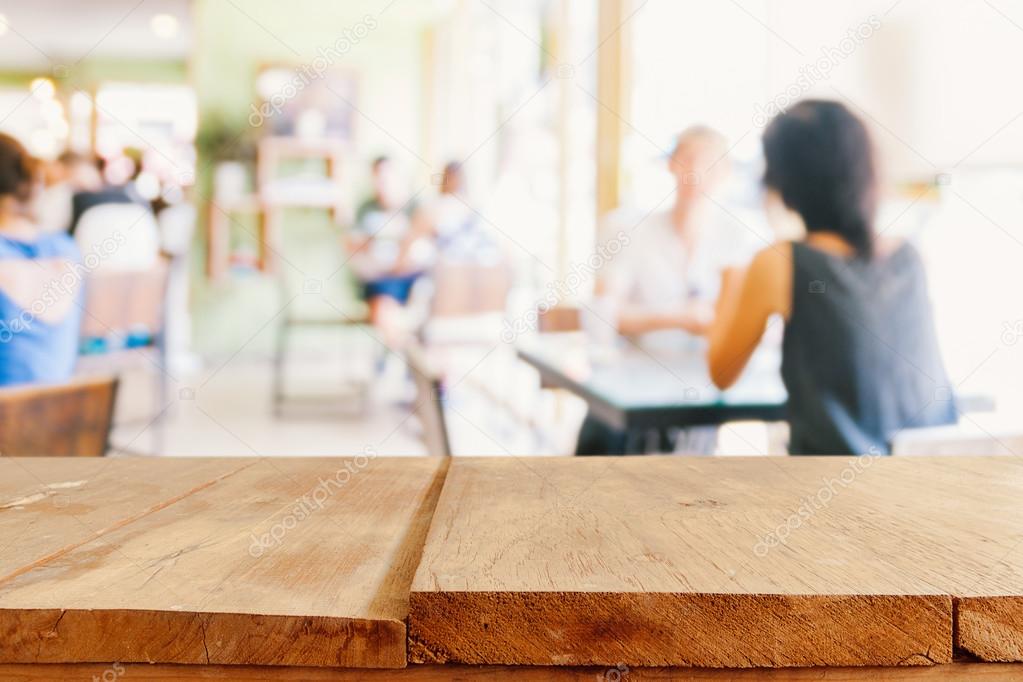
860,358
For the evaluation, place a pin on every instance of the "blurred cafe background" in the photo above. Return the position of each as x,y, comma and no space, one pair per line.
404,227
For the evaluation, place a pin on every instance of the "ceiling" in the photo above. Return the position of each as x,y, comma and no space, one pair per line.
49,33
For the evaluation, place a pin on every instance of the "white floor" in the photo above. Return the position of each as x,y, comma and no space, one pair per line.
226,409
493,406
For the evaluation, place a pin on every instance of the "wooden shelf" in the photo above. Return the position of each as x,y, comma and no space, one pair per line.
273,195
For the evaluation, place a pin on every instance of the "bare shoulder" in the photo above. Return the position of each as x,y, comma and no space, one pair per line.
772,261
770,275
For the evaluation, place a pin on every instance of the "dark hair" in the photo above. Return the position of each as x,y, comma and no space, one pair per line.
821,161
452,174
17,169
379,161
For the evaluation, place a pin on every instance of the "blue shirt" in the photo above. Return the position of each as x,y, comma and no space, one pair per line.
31,350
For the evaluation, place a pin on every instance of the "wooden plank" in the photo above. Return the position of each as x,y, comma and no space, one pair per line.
991,628
967,538
51,505
726,562
287,562
985,672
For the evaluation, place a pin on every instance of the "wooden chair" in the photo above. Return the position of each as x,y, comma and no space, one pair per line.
467,303
468,289
65,420
963,439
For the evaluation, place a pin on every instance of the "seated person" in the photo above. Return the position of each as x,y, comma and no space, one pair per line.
666,279
448,228
451,222
64,177
113,223
93,192
40,282
859,357
382,225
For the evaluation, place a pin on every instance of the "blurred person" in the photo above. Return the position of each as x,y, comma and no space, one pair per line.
110,185
68,175
40,281
448,227
669,275
117,211
666,280
81,171
376,243
860,358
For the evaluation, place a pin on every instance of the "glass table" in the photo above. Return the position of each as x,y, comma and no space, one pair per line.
633,385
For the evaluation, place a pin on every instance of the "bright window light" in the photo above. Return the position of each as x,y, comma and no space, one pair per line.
164,26
42,88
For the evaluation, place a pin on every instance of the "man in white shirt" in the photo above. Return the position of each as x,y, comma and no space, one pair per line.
669,275
662,287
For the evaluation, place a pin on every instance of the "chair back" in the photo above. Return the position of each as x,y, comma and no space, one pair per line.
470,289
65,420
967,438
118,301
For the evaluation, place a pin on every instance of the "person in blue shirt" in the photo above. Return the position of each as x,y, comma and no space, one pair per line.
40,282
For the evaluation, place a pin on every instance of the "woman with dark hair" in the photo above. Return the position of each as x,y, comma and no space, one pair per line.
860,359
40,282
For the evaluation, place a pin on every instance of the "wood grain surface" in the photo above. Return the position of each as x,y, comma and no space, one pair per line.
286,562
49,506
112,672
605,562
726,562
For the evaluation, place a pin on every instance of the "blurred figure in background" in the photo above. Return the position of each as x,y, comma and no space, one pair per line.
667,279
376,242
40,281
860,358
116,211
111,185
69,175
448,227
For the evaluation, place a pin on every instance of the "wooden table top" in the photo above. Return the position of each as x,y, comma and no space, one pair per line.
636,562
268,562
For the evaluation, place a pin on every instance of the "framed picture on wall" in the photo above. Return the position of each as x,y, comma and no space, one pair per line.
304,101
